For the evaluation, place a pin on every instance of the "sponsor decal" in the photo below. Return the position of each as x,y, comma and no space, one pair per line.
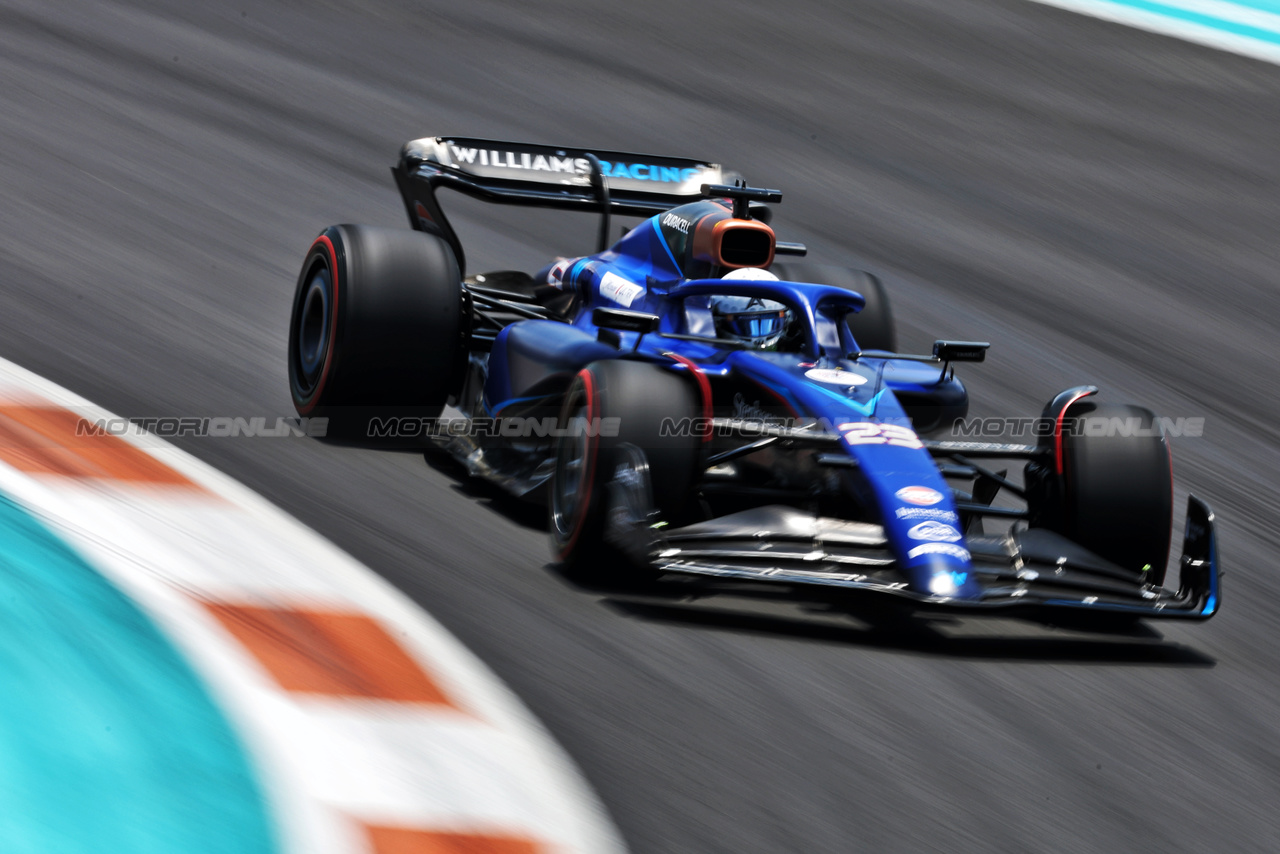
619,290
918,495
939,549
553,164
752,411
870,433
826,375
679,223
519,160
934,530
926,513
555,276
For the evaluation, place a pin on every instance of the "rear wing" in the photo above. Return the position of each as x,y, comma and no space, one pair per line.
514,173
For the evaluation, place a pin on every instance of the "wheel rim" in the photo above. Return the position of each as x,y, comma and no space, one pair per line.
313,330
569,487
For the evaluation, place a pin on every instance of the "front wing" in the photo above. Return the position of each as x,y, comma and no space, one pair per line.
1028,570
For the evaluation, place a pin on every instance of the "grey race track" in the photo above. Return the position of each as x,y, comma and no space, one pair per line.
1098,202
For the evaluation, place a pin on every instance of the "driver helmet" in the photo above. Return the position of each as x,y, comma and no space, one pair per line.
759,323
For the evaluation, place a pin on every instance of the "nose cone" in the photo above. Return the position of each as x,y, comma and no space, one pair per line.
946,579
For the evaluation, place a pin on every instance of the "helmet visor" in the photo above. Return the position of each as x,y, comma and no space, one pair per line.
754,324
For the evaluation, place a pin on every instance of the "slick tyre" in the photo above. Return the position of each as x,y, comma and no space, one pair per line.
872,327
377,331
639,395
1114,495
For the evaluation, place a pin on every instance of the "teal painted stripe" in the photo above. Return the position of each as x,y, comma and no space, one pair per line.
1260,5
1176,14
108,740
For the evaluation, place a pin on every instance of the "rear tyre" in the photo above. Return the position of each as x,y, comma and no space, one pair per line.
640,395
377,330
1114,495
872,327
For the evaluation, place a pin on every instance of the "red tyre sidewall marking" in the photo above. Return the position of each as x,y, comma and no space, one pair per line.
1057,432
704,387
332,260
589,469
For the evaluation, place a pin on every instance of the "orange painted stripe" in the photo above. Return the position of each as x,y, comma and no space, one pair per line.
43,440
322,652
401,840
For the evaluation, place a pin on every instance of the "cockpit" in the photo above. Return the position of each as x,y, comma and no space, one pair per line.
707,242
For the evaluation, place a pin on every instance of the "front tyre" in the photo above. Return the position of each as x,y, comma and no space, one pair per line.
636,397
1114,492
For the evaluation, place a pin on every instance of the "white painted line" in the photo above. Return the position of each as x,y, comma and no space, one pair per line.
1261,47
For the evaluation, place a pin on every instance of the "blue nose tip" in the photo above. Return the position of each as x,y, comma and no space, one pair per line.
945,577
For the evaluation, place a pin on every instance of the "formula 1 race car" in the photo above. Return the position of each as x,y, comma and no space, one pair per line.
685,404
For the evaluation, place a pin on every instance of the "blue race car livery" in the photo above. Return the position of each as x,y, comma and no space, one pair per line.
692,403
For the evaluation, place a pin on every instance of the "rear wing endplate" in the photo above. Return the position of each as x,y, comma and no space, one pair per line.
591,181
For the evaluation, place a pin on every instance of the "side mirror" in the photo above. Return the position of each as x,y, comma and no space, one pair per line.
625,321
960,351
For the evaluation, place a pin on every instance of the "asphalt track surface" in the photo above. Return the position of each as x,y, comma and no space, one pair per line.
1098,202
